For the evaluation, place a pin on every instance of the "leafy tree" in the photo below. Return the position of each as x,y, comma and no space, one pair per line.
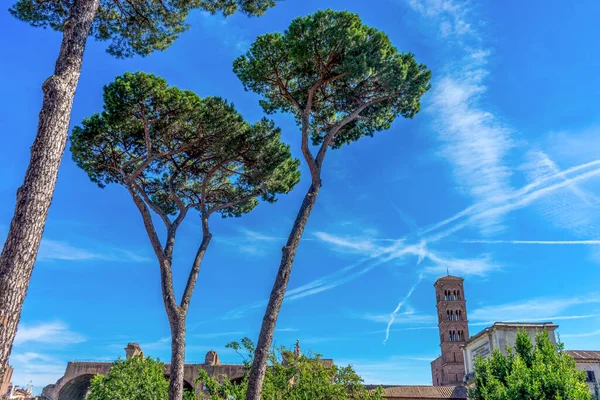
341,80
291,376
136,378
130,27
175,152
529,372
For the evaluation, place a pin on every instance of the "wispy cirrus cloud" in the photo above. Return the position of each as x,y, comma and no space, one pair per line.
61,250
407,317
541,242
533,309
528,194
450,15
582,334
473,139
47,332
252,242
35,368
573,209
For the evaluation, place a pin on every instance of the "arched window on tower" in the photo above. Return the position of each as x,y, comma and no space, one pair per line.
458,294
454,295
460,315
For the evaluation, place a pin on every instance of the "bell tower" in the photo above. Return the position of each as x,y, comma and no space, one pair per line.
449,368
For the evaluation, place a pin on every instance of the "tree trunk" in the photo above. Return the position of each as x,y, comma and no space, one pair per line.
34,196
177,357
261,354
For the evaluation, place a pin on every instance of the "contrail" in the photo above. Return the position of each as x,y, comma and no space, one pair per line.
521,201
567,242
399,306
522,192
520,198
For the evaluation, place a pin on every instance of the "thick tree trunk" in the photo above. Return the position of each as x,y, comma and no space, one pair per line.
34,196
177,316
261,354
177,357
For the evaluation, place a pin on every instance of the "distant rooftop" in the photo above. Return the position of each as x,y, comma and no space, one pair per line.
422,392
501,325
450,278
584,355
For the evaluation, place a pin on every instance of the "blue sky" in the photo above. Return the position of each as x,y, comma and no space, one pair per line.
497,180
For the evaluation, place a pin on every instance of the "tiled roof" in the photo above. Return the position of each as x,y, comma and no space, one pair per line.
423,392
581,355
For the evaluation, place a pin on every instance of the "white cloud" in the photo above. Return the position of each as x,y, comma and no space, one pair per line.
473,139
409,317
49,332
574,147
573,209
536,190
37,372
584,334
60,250
530,309
449,14
252,242
394,314
28,357
542,242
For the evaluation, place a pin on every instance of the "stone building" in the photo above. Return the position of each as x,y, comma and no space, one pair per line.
499,336
75,382
588,361
453,324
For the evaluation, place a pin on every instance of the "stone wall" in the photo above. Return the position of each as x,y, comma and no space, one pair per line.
76,381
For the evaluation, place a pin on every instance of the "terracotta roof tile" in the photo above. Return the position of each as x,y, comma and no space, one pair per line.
580,355
423,392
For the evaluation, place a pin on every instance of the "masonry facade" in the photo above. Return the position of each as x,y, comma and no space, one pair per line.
453,324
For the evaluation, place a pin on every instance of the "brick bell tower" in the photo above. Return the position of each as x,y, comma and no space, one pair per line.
449,368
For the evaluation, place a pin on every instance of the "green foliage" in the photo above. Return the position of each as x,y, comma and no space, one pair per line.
177,150
136,378
291,377
134,26
529,372
341,64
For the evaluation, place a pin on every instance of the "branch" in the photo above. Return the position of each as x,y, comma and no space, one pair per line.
139,13
153,206
336,128
146,132
193,277
166,276
283,89
148,159
310,160
235,202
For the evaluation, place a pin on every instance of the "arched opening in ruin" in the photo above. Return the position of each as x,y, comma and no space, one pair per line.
76,388
186,384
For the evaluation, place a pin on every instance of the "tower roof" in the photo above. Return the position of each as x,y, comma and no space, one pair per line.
448,278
